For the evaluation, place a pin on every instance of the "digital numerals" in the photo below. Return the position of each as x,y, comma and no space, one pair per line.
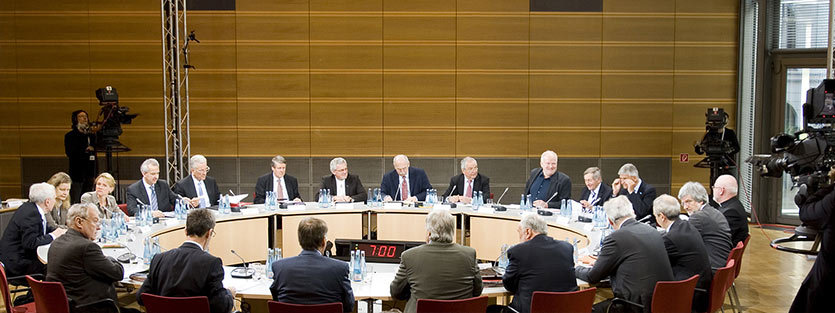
383,251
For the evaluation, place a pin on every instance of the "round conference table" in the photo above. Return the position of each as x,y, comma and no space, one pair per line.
254,229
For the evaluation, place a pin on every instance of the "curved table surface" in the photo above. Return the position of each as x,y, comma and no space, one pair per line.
382,274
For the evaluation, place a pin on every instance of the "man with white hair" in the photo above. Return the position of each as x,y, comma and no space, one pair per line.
537,263
725,194
685,248
641,194
547,186
27,230
151,191
440,269
633,255
76,261
596,192
284,186
711,224
404,182
200,189
344,186
463,186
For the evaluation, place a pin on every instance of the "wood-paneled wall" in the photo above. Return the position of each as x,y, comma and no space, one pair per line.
379,77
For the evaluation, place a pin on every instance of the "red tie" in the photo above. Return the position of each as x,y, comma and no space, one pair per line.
280,190
404,189
469,193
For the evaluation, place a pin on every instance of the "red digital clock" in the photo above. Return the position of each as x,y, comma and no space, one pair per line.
376,250
383,251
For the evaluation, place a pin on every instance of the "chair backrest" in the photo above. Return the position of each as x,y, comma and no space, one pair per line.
736,255
50,296
738,261
4,288
720,284
281,307
124,208
160,304
674,296
471,305
571,301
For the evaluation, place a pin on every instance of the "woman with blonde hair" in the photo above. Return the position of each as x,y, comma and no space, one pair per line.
105,202
62,183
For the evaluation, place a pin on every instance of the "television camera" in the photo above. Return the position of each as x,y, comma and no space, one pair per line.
111,117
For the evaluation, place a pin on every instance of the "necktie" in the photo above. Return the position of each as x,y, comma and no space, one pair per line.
404,189
280,190
153,199
593,196
200,194
469,193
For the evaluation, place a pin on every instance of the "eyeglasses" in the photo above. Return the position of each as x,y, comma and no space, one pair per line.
203,170
97,222
213,233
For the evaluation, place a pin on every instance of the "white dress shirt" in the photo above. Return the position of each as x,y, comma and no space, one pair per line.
340,187
200,186
279,183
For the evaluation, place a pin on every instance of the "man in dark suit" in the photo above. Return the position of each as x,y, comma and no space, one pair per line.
711,224
190,270
76,261
596,192
641,194
547,186
685,248
633,255
404,183
311,277
201,190
816,210
343,186
286,187
537,263
440,269
463,186
151,190
725,194
27,230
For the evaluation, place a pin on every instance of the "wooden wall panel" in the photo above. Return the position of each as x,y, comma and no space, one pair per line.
491,114
699,28
130,27
567,86
706,58
397,27
10,177
260,56
346,27
707,6
418,85
131,84
50,114
262,113
264,141
272,27
425,141
213,57
637,58
346,5
565,27
54,85
683,140
10,141
493,6
338,113
144,140
213,25
492,57
692,114
107,5
53,57
346,141
564,114
212,84
419,5
51,27
8,89
273,85
568,143
636,114
212,113
441,114
721,86
214,140
628,143
657,28
491,142
642,6
346,57
565,58
505,28
634,86
410,57
492,86
272,5
685,172
346,85
127,56
47,5
42,141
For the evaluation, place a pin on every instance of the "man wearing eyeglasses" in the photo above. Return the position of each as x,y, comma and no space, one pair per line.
190,270
200,189
27,230
77,262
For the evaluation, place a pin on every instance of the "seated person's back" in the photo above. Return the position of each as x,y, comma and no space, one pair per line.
310,277
440,269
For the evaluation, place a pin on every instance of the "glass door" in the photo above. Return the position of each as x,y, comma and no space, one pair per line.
798,81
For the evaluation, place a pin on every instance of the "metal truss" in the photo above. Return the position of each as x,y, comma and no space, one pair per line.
175,86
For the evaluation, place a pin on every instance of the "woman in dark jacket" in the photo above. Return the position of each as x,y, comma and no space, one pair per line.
78,145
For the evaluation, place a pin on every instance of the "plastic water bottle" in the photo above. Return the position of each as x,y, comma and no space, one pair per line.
503,259
157,249
352,263
369,200
528,203
357,266
364,268
269,266
576,251
146,254
522,203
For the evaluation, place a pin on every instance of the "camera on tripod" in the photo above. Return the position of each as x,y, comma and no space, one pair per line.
719,145
112,117
808,155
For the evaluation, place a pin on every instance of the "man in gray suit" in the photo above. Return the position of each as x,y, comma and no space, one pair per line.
76,261
440,269
633,255
711,224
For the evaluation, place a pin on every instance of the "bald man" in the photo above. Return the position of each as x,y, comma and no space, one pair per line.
404,183
725,194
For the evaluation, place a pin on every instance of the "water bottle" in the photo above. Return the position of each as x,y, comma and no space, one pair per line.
114,228
156,249
576,251
503,259
364,265
369,201
269,269
146,254
528,203
328,198
352,263
357,266
522,203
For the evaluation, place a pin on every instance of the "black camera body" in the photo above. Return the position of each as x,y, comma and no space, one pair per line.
112,117
808,155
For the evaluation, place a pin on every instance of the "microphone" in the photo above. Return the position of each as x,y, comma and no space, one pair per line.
498,207
498,202
451,191
192,37
242,272
328,247
230,191
645,218
398,189
552,197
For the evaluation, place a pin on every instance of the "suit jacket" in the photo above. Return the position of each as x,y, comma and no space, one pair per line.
635,258
265,183
604,194
737,218
92,198
21,239
715,232
78,263
311,278
819,285
539,264
418,183
688,257
185,188
480,183
81,168
561,184
353,187
641,200
444,271
185,272
58,216
165,197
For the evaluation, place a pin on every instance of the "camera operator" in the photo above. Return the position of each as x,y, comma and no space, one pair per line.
78,145
816,211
